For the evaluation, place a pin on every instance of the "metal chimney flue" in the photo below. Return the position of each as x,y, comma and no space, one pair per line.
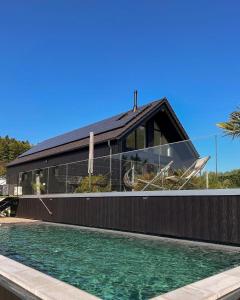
135,106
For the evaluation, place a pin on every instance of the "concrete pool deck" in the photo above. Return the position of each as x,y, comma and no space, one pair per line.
225,286
14,220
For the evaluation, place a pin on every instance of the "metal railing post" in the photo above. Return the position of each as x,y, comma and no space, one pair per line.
216,155
120,172
48,180
207,180
66,190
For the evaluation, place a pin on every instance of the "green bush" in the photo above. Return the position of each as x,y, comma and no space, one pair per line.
99,183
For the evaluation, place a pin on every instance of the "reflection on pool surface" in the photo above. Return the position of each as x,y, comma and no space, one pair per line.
112,266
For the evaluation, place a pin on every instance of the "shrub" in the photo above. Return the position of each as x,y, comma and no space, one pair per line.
99,183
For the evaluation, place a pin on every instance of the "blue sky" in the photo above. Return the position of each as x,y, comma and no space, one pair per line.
64,64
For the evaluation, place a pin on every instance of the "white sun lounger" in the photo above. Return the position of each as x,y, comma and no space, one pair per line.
190,173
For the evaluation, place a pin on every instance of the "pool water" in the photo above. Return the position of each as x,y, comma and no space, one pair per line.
112,266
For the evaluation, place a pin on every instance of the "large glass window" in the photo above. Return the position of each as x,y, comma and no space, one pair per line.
131,141
157,138
160,139
40,181
136,139
57,179
157,135
156,126
25,181
140,137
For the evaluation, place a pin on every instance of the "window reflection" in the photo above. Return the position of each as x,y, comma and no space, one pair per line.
136,139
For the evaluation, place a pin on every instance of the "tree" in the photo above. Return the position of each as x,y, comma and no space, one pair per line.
232,127
10,149
2,168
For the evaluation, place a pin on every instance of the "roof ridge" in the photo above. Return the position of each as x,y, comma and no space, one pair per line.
67,141
99,127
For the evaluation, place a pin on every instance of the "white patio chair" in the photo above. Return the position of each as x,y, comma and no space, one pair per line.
190,173
161,174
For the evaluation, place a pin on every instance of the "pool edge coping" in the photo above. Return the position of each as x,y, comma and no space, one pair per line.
219,286
38,284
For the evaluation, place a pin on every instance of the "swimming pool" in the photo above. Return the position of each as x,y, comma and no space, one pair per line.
112,266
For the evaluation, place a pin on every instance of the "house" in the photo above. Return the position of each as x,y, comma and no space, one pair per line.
147,126
2,185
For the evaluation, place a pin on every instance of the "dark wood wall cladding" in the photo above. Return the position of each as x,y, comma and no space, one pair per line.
206,218
7,295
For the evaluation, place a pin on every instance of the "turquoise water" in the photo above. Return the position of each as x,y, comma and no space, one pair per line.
111,266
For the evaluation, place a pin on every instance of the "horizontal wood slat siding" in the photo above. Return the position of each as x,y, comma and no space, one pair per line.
207,218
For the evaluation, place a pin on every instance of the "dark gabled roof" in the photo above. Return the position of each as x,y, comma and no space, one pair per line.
106,125
108,129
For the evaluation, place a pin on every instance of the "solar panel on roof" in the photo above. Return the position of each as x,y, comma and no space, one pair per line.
106,125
